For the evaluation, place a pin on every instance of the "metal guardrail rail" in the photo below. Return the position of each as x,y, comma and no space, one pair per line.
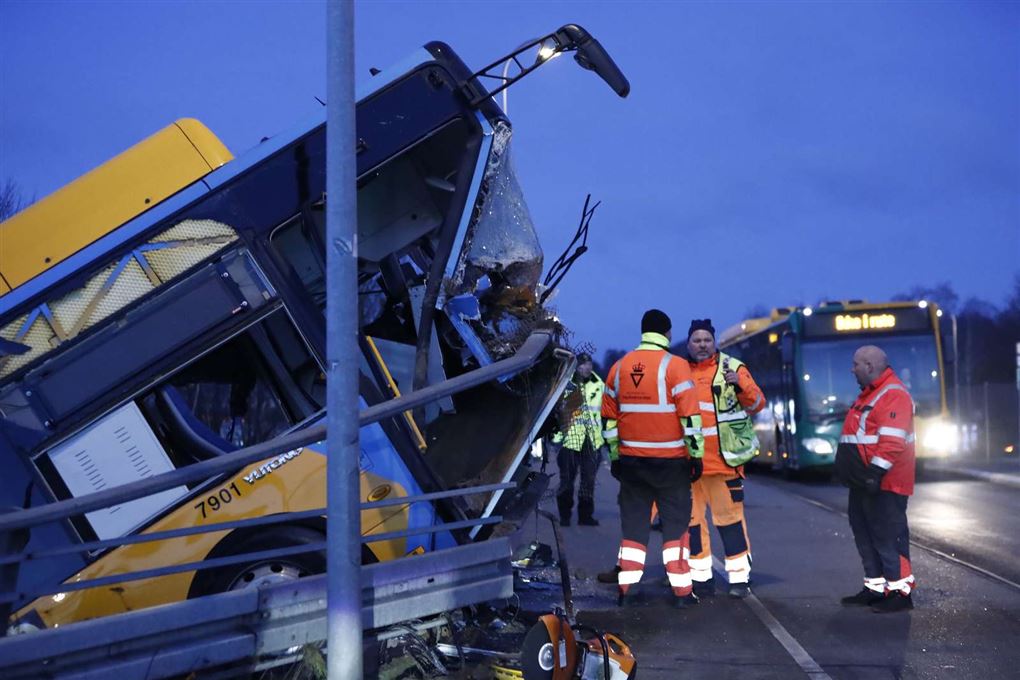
232,631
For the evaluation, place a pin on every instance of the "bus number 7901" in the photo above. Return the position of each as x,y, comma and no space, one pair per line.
219,499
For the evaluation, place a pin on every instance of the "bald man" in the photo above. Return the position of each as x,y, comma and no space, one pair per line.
875,459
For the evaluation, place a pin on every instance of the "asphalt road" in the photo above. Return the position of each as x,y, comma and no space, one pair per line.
966,623
977,522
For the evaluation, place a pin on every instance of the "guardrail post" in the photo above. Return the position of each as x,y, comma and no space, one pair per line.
12,542
343,518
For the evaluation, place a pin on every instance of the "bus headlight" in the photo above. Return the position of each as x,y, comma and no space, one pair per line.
818,446
941,436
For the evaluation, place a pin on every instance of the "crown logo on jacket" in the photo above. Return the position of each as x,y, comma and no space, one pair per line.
637,373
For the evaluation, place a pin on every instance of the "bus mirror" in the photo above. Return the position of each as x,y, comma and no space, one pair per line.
592,56
786,347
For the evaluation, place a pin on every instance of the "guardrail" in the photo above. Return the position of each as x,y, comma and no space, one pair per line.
17,522
245,630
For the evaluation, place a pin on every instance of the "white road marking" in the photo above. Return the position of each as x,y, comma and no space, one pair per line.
789,643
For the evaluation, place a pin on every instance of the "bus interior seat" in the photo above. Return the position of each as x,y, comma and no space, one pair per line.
194,436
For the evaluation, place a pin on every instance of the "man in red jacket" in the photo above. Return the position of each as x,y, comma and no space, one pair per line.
875,459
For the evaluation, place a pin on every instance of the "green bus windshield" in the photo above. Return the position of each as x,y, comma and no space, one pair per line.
830,388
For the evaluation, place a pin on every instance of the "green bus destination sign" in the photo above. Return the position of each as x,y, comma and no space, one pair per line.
849,322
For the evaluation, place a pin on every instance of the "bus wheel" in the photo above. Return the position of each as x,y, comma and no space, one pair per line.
260,572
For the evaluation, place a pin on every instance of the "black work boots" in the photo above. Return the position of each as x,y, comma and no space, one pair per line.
880,603
865,598
893,602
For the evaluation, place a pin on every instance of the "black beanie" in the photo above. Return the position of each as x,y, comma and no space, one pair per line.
701,325
656,321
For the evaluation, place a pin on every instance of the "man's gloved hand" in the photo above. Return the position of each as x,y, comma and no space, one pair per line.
873,479
697,468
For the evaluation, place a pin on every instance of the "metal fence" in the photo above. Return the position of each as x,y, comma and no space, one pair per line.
234,630
989,418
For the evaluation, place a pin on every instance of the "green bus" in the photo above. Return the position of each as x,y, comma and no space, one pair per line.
801,358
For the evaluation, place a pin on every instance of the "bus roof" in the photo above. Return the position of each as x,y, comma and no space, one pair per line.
98,227
749,327
51,230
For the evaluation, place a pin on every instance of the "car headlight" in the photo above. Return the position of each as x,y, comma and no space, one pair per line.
941,436
819,446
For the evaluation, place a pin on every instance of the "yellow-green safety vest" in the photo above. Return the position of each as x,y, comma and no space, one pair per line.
587,420
737,439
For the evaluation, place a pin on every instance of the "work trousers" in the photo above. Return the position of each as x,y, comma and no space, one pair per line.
724,495
586,461
667,483
879,524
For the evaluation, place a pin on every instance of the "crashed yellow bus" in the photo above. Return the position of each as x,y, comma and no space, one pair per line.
168,307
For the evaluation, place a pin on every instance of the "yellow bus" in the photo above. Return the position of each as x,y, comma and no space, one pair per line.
168,307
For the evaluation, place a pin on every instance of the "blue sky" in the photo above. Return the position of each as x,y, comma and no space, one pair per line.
770,153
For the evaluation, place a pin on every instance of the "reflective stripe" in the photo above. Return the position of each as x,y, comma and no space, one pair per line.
875,584
903,585
679,444
616,381
611,392
734,415
610,434
682,387
758,401
627,578
693,431
862,425
632,555
647,408
679,580
700,575
881,462
700,563
706,406
592,409
892,432
663,365
858,439
670,555
710,431
742,563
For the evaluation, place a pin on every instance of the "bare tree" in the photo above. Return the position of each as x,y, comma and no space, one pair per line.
12,200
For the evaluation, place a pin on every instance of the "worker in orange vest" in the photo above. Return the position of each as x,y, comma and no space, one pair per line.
728,397
653,428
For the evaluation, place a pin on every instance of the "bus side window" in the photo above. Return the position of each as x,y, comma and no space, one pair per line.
248,390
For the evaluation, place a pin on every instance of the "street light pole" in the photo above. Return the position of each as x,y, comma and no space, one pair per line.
343,517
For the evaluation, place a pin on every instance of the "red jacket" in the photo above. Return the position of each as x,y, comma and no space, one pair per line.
881,425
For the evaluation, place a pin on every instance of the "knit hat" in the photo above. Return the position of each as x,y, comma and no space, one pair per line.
583,358
701,325
656,321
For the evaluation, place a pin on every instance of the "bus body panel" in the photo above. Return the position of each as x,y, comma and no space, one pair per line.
288,483
105,198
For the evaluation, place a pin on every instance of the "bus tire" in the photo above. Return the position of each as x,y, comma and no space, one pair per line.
253,573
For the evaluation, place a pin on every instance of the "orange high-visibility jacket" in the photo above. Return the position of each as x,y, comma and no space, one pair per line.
880,425
650,404
750,397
